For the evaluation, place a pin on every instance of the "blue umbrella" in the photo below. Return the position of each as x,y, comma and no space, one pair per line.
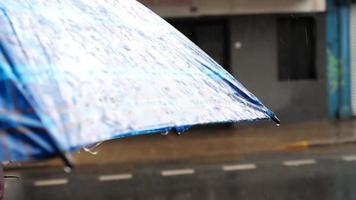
76,72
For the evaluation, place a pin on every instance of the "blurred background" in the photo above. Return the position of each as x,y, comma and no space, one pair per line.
297,56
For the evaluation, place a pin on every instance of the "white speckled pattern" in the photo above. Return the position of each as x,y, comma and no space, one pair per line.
101,69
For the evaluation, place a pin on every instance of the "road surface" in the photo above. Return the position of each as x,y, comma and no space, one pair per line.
326,173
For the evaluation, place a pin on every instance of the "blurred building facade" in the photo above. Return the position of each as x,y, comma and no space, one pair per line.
297,56
353,54
276,48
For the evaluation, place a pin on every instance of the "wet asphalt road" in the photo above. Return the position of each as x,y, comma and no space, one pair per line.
289,176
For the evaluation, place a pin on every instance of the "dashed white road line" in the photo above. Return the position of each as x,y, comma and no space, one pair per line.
349,158
177,172
239,167
115,177
52,182
296,163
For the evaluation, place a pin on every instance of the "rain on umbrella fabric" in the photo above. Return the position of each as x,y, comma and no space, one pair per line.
78,72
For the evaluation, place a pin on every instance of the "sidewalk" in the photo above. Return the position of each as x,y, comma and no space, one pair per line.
212,144
215,143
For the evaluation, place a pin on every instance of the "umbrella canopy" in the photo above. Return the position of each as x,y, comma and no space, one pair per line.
75,72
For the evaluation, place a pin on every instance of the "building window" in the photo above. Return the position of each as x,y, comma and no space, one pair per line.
211,35
296,48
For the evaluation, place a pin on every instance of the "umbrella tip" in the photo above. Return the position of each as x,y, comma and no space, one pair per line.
68,162
274,118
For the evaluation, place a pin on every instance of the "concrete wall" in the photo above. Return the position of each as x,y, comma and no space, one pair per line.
254,63
190,8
